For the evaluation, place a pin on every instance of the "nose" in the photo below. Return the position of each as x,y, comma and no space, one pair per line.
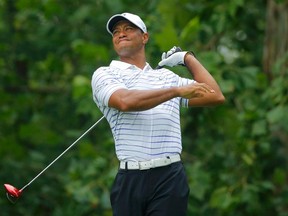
121,33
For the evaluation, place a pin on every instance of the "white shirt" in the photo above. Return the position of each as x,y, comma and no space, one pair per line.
143,135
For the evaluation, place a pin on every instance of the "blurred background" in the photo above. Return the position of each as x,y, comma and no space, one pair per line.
235,154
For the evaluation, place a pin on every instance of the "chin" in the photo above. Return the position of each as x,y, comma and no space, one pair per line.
124,51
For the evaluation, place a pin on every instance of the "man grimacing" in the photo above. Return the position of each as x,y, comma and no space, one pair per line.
142,106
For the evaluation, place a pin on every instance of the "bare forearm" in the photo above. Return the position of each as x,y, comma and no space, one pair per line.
199,72
201,75
139,100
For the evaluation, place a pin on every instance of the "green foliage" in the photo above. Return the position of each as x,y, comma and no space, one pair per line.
235,154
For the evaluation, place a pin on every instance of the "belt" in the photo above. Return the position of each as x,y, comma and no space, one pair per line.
144,165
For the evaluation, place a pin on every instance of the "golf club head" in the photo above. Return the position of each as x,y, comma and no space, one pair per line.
12,193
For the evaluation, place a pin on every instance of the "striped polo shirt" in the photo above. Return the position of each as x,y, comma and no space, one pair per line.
140,135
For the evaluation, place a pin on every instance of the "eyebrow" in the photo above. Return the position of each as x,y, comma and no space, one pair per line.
125,25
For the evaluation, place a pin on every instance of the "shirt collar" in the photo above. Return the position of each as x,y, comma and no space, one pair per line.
124,65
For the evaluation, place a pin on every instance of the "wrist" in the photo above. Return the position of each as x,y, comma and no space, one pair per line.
176,92
189,57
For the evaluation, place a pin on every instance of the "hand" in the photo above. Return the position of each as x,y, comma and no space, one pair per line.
173,57
195,90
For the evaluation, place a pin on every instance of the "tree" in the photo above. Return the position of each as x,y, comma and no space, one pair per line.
276,46
235,154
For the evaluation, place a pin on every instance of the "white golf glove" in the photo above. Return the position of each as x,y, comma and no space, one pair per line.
173,57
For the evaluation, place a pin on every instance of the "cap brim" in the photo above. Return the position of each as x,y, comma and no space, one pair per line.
112,22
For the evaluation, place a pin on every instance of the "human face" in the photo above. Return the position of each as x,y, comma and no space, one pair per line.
128,39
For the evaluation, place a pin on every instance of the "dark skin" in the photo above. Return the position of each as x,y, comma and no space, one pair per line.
129,43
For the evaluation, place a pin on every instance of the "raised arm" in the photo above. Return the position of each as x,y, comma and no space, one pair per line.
201,75
175,57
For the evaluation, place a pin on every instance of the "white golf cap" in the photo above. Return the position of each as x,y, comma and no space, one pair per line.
136,20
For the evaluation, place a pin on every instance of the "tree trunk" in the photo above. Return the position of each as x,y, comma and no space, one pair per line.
276,39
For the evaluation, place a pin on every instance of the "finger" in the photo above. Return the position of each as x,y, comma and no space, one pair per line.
206,88
174,49
163,56
209,88
169,53
162,63
198,95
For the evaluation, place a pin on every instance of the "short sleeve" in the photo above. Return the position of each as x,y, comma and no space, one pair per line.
104,84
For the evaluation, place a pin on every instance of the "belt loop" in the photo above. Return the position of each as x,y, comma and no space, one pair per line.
126,166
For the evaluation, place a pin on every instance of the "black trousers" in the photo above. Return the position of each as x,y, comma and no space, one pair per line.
160,191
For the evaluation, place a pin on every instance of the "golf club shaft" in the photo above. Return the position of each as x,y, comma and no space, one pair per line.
87,131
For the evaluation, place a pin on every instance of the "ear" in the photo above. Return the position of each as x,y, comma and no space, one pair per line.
145,38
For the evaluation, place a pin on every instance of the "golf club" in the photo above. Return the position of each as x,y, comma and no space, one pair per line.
13,194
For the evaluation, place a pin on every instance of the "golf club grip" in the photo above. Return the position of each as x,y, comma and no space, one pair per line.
178,49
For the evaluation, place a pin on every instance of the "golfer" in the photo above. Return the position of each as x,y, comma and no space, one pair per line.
142,107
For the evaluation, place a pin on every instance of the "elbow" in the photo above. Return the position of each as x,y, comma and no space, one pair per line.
220,99
217,99
122,106
119,104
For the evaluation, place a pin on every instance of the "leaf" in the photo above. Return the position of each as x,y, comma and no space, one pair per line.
221,198
278,114
81,87
89,51
234,5
249,75
259,128
227,86
199,181
190,29
247,159
280,176
166,45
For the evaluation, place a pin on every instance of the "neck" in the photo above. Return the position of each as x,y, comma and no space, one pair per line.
136,58
138,63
